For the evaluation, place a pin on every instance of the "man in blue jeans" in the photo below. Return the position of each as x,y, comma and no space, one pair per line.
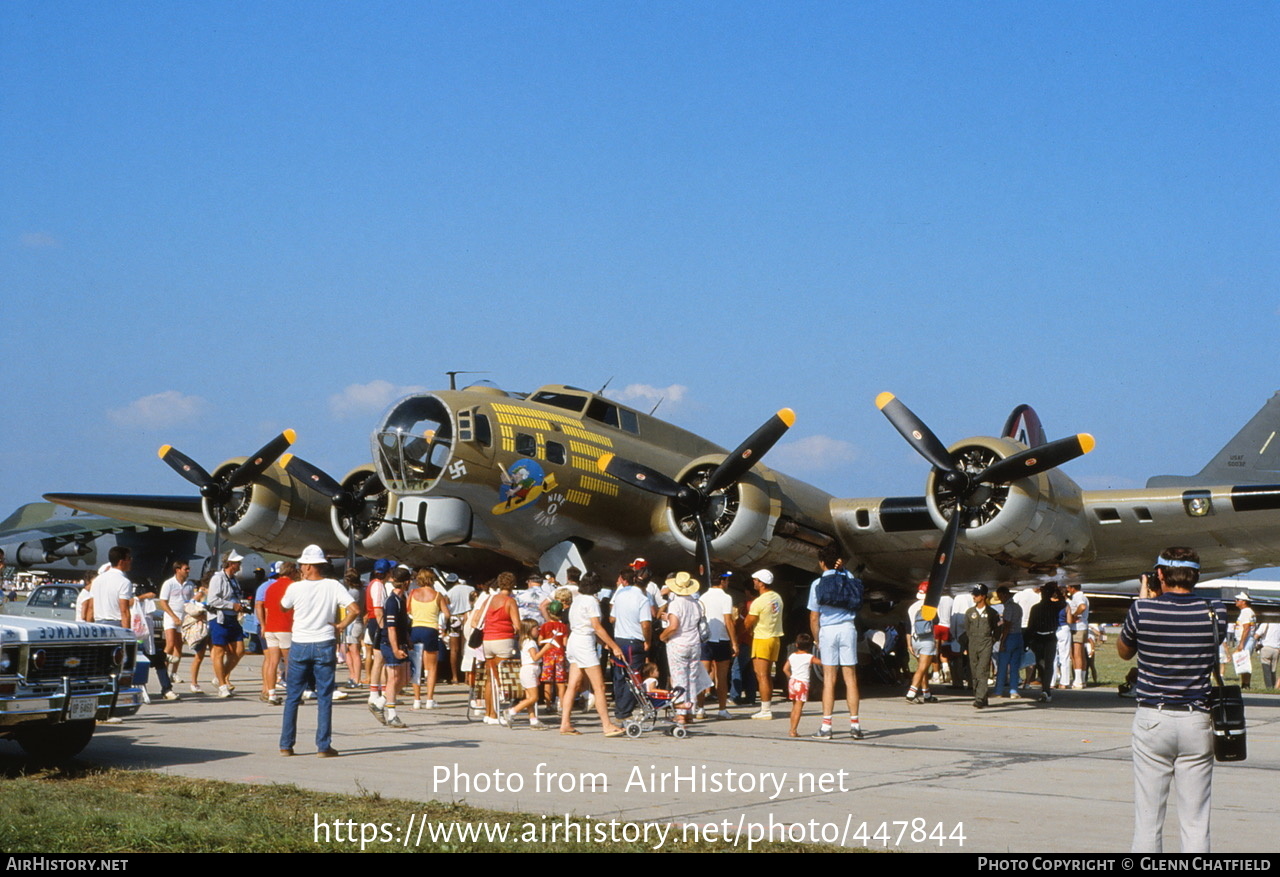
313,658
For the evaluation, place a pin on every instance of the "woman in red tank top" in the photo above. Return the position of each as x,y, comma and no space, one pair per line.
501,621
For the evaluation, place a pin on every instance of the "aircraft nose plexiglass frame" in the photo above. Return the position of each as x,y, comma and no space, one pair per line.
414,443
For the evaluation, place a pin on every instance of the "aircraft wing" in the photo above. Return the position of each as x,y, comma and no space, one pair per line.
179,512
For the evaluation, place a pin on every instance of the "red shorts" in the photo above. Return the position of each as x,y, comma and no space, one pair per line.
797,690
553,669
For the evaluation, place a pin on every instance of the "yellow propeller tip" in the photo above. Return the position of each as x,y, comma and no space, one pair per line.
603,462
164,451
883,399
291,436
787,416
1086,442
284,460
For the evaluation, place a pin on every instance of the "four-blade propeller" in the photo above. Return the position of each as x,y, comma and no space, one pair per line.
221,490
965,486
349,502
698,499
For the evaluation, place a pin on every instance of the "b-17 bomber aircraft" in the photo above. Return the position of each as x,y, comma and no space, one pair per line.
479,479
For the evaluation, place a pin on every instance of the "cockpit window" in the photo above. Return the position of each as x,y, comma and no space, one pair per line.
414,443
567,401
608,413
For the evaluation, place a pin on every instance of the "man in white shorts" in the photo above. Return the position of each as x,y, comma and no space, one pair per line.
832,625
171,603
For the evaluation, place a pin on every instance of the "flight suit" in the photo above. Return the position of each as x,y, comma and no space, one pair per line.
982,625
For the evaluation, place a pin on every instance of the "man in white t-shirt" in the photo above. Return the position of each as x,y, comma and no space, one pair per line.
112,590
1246,627
459,593
1269,636
721,646
313,656
172,601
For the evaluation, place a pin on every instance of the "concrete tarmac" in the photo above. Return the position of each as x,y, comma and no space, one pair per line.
1015,777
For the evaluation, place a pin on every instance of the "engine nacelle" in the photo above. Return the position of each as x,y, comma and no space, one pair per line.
276,512
1033,520
742,520
374,536
33,554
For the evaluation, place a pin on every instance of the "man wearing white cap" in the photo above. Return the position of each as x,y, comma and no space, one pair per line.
313,657
764,624
225,633
1246,626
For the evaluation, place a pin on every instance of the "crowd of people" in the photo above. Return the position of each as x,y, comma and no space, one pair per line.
695,646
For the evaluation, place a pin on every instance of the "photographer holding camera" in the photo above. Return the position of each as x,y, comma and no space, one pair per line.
1173,637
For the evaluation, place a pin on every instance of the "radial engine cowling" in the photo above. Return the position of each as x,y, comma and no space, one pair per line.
275,512
1033,520
742,517
374,536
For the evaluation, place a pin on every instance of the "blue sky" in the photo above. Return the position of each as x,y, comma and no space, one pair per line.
220,220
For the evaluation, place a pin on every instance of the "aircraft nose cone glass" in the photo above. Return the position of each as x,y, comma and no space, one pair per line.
414,444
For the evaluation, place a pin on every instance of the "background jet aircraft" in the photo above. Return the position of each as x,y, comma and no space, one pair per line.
479,478
67,543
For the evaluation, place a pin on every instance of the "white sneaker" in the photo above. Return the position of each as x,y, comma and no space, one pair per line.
431,705
339,694
591,702
224,691
700,713
491,720
196,689
171,695
417,705
765,714
308,695
723,714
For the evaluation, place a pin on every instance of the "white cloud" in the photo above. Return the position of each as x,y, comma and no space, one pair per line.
370,398
816,453
169,408
38,240
644,396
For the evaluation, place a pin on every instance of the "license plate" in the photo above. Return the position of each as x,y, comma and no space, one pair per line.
83,708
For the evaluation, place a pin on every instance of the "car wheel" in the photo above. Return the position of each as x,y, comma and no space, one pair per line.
56,742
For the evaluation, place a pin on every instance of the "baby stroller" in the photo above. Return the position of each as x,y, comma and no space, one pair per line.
653,705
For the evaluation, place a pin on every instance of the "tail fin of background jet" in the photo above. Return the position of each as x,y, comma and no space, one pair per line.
1251,457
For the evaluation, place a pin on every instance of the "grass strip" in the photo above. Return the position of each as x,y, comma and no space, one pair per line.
98,810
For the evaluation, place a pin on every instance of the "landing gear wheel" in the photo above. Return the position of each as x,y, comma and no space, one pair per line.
679,732
633,729
56,742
